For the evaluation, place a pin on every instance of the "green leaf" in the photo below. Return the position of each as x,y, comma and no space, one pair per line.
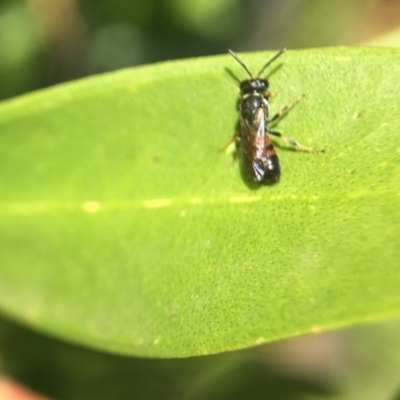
123,227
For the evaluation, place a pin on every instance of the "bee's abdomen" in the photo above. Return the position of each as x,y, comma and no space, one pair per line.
272,171
261,161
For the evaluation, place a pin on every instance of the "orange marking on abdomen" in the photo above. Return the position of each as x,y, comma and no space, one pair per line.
269,147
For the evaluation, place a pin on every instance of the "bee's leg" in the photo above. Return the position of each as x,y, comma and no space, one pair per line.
237,139
233,147
270,96
293,143
285,109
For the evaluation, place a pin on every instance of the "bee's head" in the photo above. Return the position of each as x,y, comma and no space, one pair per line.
254,85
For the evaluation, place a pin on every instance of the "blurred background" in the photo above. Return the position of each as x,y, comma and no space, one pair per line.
44,42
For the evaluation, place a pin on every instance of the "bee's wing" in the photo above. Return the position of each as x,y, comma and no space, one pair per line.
254,125
253,143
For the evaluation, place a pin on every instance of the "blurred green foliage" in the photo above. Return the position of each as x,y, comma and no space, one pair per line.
21,62
333,366
43,42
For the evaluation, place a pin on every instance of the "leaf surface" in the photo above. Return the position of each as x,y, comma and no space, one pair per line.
123,227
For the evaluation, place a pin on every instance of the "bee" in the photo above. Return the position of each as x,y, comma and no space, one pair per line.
258,153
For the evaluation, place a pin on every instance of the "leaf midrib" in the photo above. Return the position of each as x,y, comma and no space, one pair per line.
93,206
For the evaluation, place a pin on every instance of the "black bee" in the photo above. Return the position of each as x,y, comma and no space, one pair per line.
259,155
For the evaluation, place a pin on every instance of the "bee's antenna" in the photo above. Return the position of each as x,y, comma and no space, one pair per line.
236,57
280,52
